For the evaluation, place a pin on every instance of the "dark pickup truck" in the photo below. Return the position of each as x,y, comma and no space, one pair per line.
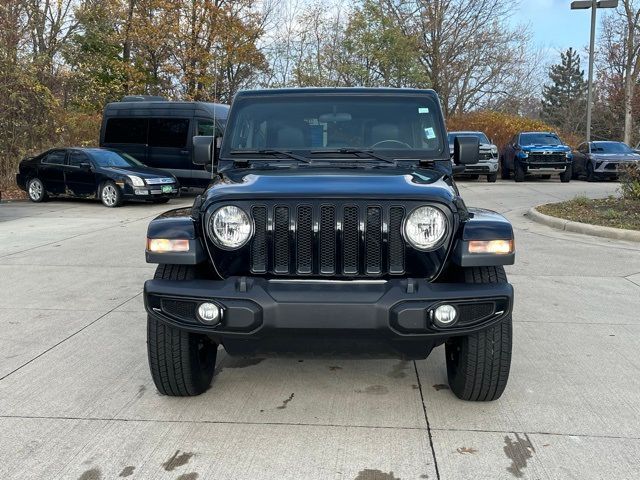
333,225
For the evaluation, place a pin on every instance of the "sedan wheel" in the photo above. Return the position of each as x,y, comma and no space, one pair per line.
110,195
36,190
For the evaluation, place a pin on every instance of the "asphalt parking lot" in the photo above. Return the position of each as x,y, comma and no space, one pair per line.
77,400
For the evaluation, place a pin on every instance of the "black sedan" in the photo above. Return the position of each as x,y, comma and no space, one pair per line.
109,175
600,160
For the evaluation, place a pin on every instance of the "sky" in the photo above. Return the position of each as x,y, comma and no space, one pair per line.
555,27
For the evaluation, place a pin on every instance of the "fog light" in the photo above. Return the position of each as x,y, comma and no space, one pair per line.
209,313
445,315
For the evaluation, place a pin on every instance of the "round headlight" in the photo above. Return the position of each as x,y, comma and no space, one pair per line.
230,227
425,227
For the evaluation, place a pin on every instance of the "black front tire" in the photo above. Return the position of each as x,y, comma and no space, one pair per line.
181,363
519,172
478,365
565,177
492,178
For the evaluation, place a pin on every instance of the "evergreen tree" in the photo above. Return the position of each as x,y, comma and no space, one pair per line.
564,102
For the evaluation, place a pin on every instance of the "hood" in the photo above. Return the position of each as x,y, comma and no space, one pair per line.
142,172
546,148
420,184
616,157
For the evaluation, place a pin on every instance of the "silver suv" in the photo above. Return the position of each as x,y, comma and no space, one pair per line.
488,160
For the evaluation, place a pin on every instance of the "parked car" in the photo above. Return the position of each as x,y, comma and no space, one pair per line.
160,133
536,153
601,159
111,176
333,225
488,160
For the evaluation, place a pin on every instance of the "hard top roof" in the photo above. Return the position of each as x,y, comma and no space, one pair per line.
218,109
335,90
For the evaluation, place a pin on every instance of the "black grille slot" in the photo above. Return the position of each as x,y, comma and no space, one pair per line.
327,239
180,309
396,242
259,245
304,239
281,240
350,243
474,312
373,240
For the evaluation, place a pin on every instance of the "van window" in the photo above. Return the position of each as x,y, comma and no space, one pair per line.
205,127
168,132
126,130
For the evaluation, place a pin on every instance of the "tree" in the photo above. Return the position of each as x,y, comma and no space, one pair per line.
376,53
564,100
468,49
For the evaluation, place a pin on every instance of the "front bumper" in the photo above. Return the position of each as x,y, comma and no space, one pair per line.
396,312
608,168
481,168
537,167
151,192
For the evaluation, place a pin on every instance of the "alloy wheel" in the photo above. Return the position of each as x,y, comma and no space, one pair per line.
109,195
35,190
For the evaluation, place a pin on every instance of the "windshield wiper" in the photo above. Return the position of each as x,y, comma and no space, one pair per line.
283,153
357,151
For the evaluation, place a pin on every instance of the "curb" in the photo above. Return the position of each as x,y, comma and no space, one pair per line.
584,228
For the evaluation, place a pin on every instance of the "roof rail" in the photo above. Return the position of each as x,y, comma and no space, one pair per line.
143,98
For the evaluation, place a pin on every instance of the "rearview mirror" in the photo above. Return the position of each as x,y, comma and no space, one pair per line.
466,150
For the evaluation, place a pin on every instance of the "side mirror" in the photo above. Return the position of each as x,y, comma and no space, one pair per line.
206,150
466,150
202,150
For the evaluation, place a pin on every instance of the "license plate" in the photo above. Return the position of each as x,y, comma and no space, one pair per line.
167,188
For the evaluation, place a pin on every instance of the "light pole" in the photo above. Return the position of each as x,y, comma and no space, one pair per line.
594,5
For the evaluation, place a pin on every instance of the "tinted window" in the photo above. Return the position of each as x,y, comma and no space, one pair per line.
76,158
126,130
109,158
482,138
55,158
406,125
539,139
610,147
205,127
168,132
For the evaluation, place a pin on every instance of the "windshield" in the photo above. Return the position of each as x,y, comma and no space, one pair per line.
539,139
401,126
610,147
482,138
109,158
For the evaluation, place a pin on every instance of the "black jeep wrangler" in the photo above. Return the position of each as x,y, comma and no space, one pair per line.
333,224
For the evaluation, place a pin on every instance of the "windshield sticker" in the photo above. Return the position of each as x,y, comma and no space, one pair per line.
423,110
429,133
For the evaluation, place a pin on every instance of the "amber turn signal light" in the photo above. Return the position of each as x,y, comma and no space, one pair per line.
499,247
165,245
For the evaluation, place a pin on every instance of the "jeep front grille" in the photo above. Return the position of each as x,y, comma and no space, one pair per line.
338,239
